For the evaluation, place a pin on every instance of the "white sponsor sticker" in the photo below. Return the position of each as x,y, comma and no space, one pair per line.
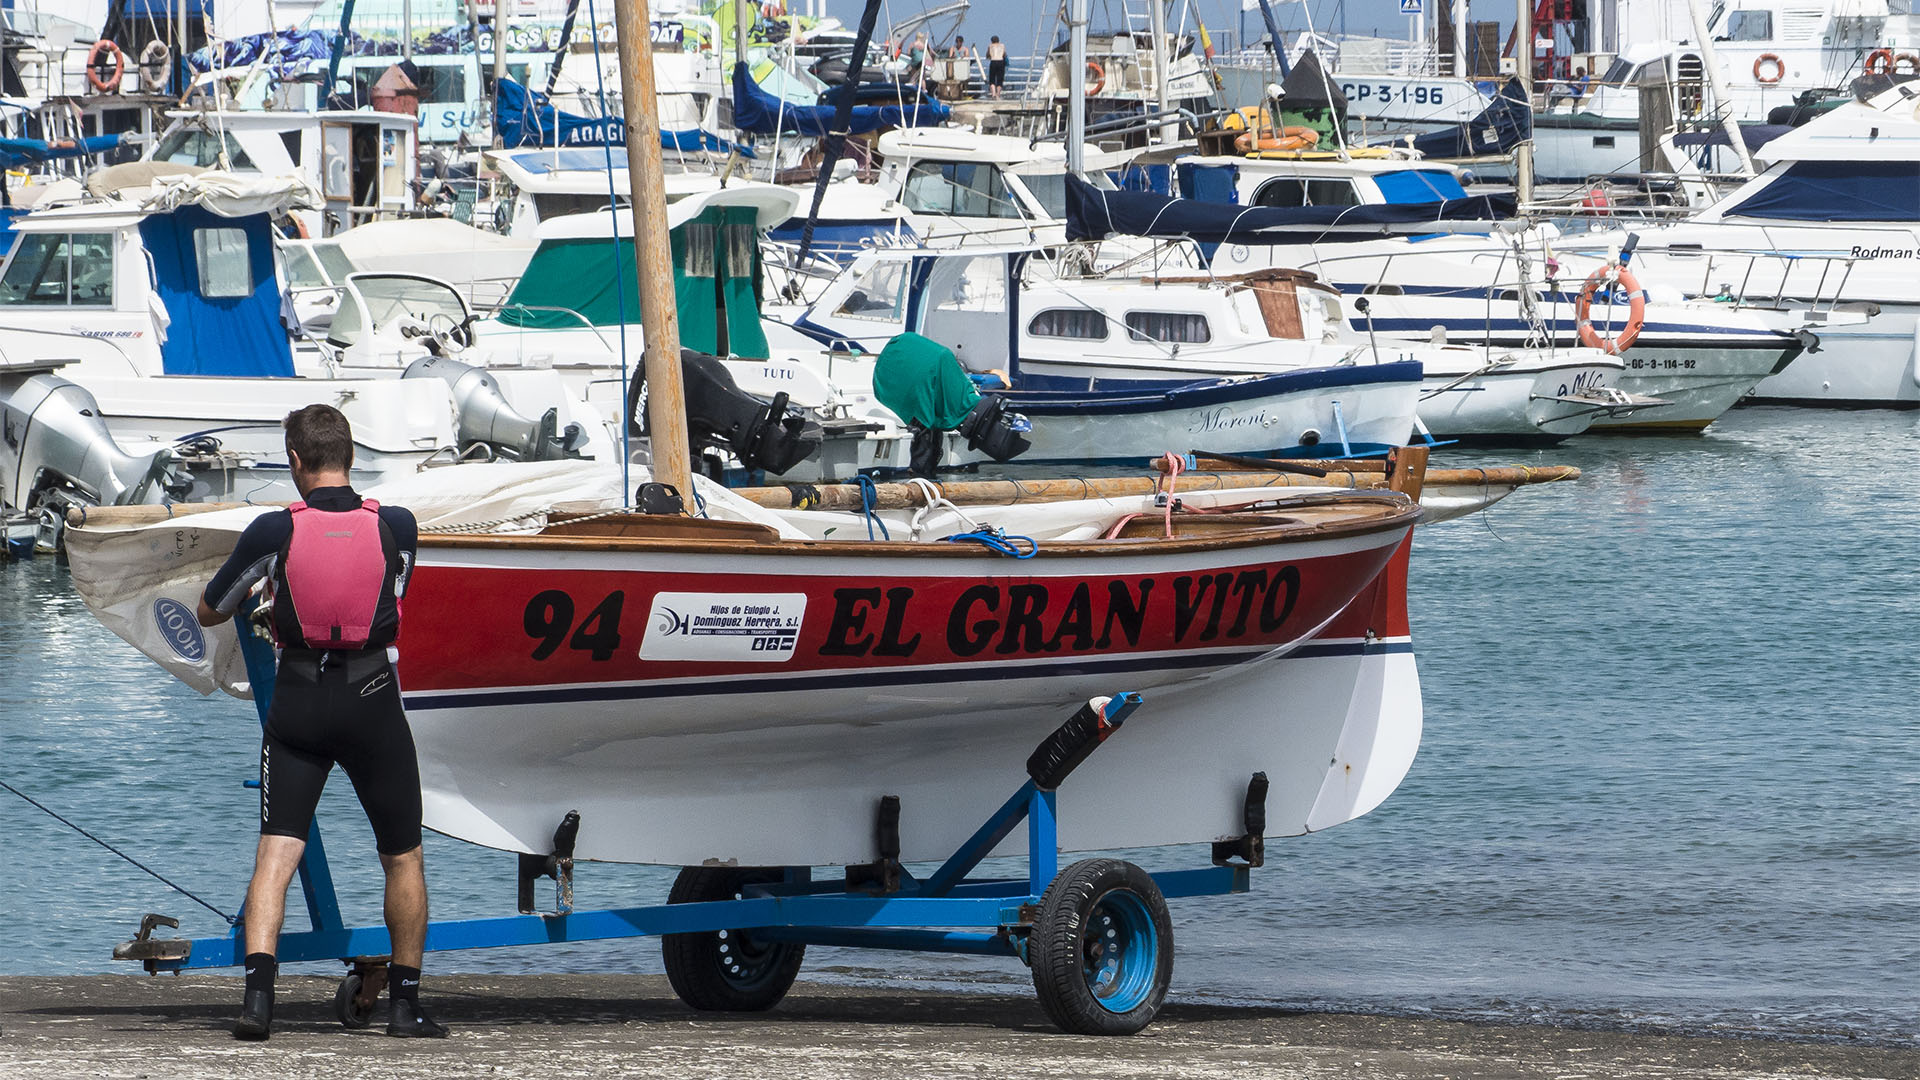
752,627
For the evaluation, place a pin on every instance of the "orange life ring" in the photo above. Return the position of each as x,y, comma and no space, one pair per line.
1885,65
105,86
1098,75
1910,59
1779,69
1289,138
1606,277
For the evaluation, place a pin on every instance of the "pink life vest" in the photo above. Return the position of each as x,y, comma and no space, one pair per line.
335,568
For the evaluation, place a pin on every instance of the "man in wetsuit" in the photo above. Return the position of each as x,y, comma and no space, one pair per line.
336,567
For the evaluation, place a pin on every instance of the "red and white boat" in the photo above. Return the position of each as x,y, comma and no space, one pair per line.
747,690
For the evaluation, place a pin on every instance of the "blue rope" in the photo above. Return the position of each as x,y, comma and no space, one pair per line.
869,497
995,540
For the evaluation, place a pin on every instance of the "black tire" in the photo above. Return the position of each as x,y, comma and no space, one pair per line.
726,970
346,1009
1102,949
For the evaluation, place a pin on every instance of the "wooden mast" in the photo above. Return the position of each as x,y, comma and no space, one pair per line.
653,255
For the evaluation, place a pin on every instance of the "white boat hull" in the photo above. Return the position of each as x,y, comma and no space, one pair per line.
783,762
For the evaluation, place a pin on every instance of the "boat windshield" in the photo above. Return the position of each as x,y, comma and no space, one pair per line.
377,302
962,189
60,270
880,293
190,145
320,265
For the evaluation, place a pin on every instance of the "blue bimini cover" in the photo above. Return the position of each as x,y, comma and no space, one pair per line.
759,112
1093,214
1838,191
1505,123
216,277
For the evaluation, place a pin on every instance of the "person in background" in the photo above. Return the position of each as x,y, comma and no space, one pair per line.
1575,88
336,567
996,67
960,50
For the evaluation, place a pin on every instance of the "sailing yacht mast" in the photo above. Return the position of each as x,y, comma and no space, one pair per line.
653,256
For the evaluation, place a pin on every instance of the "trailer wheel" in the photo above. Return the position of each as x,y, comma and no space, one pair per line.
347,1007
1102,948
726,970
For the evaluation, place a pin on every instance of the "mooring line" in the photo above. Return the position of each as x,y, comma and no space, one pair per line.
136,862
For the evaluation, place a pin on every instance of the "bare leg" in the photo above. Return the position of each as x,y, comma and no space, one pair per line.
274,862
406,909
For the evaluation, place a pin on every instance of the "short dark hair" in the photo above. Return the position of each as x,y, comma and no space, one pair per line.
321,436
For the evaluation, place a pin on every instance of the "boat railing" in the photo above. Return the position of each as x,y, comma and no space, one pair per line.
611,349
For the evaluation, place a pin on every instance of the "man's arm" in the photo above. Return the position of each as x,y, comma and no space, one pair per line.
251,560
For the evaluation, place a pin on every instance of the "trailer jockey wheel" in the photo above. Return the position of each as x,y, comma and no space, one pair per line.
726,970
1102,948
349,1007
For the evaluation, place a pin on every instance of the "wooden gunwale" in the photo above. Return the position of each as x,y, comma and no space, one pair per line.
1387,519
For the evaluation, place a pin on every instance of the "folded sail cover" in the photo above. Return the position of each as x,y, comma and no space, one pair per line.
759,112
526,117
1093,214
1505,123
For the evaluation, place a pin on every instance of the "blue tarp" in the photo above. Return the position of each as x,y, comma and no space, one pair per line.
525,117
761,113
1505,123
1093,214
1754,135
165,10
1838,191
18,152
283,48
238,335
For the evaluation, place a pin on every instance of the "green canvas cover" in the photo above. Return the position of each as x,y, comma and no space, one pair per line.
716,284
923,383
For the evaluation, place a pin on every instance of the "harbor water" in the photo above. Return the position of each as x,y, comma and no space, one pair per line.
1670,778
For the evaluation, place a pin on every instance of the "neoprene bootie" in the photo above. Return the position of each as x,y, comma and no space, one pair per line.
410,1021
256,1016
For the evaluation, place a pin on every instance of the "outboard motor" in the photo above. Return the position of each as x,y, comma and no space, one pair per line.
994,430
760,434
55,448
485,417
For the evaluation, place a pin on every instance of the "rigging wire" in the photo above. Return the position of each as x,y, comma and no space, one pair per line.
619,273
231,919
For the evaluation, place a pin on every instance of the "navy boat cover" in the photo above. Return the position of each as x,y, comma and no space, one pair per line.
761,113
1505,123
1093,214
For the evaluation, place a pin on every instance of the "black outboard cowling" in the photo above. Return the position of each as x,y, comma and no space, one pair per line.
994,430
759,434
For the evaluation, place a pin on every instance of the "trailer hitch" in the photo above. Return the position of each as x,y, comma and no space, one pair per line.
151,951
558,866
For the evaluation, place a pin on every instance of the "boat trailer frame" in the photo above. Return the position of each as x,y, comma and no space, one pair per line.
1109,972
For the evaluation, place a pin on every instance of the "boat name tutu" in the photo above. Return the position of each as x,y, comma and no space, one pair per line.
1039,617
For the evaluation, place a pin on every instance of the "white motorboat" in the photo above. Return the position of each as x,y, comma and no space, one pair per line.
1477,281
1828,234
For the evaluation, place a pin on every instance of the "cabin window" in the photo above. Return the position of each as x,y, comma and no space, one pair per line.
225,270
1049,190
960,189
1172,327
553,204
1287,192
878,293
1069,323
1383,290
60,270
189,145
1603,142
1749,26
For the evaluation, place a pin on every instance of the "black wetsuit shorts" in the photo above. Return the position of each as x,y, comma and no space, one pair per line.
339,707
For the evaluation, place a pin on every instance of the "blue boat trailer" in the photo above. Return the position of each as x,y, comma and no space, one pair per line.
1097,934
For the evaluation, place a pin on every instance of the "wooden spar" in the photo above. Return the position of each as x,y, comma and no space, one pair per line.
984,492
653,255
